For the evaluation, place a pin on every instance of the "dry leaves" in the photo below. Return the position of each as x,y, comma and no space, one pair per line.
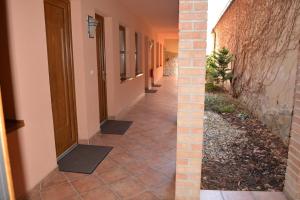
240,153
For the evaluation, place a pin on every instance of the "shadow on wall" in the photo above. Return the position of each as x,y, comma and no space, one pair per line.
6,83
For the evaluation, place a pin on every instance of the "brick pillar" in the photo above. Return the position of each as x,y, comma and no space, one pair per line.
192,52
292,182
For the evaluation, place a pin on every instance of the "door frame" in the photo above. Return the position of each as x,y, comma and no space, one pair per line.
100,74
6,181
71,77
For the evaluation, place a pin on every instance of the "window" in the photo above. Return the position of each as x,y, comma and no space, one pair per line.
138,67
122,38
136,53
160,55
157,54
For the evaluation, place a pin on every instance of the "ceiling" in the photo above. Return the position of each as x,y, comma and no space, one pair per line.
162,15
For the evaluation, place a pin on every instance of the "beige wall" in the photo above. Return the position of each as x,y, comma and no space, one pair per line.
266,53
120,95
171,45
32,148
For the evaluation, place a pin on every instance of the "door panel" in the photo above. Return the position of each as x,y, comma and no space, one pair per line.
101,68
58,30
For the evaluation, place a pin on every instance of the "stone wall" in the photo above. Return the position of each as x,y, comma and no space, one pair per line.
264,37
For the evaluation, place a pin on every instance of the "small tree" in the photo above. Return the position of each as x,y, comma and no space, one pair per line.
217,66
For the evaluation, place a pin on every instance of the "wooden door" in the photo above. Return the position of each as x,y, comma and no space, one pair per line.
6,183
61,75
100,40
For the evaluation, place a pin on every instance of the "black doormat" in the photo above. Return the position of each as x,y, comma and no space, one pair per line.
83,159
150,91
156,85
115,127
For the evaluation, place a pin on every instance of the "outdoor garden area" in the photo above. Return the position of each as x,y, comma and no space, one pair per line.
240,152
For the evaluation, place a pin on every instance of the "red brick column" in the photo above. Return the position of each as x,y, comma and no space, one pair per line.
192,47
292,182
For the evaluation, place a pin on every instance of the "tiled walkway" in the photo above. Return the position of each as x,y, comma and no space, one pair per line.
142,164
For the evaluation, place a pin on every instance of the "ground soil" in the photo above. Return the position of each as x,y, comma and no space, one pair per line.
241,153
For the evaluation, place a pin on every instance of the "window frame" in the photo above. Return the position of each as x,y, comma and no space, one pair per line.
123,75
160,54
136,53
157,55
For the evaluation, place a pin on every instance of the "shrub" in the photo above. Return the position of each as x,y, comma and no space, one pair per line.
219,104
211,88
226,108
217,67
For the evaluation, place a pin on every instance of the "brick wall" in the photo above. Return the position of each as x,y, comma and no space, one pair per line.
292,182
192,45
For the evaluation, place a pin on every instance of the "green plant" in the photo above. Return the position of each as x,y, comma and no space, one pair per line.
243,116
211,87
217,66
219,104
226,108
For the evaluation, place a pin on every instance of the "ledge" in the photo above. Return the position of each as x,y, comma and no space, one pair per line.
131,78
139,75
12,125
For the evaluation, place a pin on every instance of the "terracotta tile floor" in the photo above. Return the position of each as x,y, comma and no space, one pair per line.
142,164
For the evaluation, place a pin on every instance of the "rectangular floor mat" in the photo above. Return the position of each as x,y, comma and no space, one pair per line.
150,91
83,159
116,127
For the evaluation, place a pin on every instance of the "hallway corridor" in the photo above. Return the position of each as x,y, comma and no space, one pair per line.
142,163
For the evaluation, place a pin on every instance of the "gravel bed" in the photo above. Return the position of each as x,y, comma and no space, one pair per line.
241,154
